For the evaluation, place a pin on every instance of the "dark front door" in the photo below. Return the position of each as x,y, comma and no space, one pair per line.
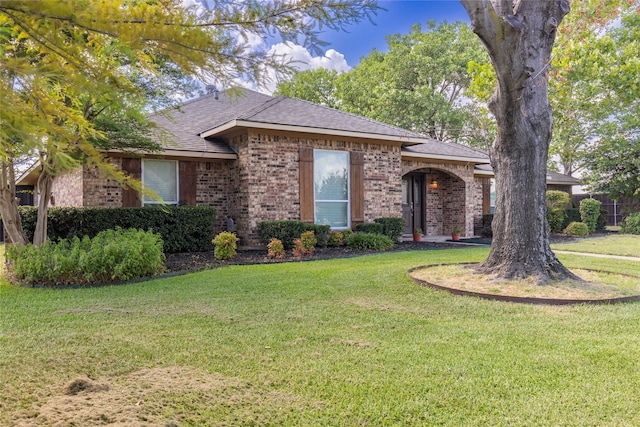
412,202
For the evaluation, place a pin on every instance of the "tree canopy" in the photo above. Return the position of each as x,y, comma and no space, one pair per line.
76,74
418,84
595,82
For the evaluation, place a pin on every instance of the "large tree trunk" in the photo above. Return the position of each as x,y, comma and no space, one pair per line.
9,205
519,36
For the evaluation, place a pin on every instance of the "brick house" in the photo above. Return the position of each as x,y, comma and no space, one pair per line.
255,157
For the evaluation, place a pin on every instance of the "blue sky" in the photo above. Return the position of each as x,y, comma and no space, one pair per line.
398,18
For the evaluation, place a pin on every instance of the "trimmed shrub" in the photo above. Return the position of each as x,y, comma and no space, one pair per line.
589,212
577,229
486,230
321,233
182,228
392,227
275,249
112,255
346,234
369,227
336,238
305,245
602,219
631,224
285,231
369,242
556,202
557,199
555,218
225,244
571,215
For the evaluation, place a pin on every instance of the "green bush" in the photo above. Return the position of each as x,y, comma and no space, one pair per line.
555,218
557,202
571,215
589,212
305,245
336,238
285,231
321,233
369,227
369,242
557,199
112,255
346,234
631,224
577,229
602,219
225,244
182,228
392,227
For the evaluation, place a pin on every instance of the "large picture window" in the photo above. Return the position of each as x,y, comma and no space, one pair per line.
331,188
160,176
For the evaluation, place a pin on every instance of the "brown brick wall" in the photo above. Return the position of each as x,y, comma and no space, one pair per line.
100,191
265,179
212,189
67,189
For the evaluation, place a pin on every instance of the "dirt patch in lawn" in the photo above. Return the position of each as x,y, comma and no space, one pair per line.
595,285
171,396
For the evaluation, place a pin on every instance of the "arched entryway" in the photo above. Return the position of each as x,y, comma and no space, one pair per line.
434,201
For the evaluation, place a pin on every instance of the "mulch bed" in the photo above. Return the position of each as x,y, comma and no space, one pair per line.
200,260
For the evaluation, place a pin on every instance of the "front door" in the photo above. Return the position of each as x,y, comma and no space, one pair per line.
412,202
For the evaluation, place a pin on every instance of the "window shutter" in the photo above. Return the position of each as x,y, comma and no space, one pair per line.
187,179
130,196
306,185
357,188
486,196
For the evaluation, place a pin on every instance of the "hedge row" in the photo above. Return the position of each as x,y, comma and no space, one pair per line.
182,228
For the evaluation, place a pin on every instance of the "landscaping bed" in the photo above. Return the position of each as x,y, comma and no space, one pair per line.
200,260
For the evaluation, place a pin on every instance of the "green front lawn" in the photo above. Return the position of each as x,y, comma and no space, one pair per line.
624,245
342,342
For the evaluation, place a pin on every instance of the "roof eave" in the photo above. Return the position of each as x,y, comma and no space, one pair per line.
477,160
401,140
183,153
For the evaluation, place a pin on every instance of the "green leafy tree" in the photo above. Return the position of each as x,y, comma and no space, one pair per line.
317,86
419,84
76,73
595,84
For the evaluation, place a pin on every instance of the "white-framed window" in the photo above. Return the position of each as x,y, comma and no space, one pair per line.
160,176
331,188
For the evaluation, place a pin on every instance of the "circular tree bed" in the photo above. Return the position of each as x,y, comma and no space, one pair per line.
597,287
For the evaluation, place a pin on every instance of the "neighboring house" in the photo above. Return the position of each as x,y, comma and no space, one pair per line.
255,157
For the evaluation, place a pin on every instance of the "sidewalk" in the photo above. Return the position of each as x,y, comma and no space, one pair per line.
627,258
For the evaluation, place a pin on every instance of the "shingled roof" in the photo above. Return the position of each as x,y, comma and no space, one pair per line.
199,125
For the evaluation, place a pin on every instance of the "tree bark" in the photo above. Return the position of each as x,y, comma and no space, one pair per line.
9,205
44,186
519,37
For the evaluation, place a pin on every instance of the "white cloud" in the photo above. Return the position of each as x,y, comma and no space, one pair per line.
301,59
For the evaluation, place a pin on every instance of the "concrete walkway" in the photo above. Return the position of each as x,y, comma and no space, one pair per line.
627,258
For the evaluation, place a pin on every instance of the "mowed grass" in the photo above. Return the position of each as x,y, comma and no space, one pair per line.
623,244
334,343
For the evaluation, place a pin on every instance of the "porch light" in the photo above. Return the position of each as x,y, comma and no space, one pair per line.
433,184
